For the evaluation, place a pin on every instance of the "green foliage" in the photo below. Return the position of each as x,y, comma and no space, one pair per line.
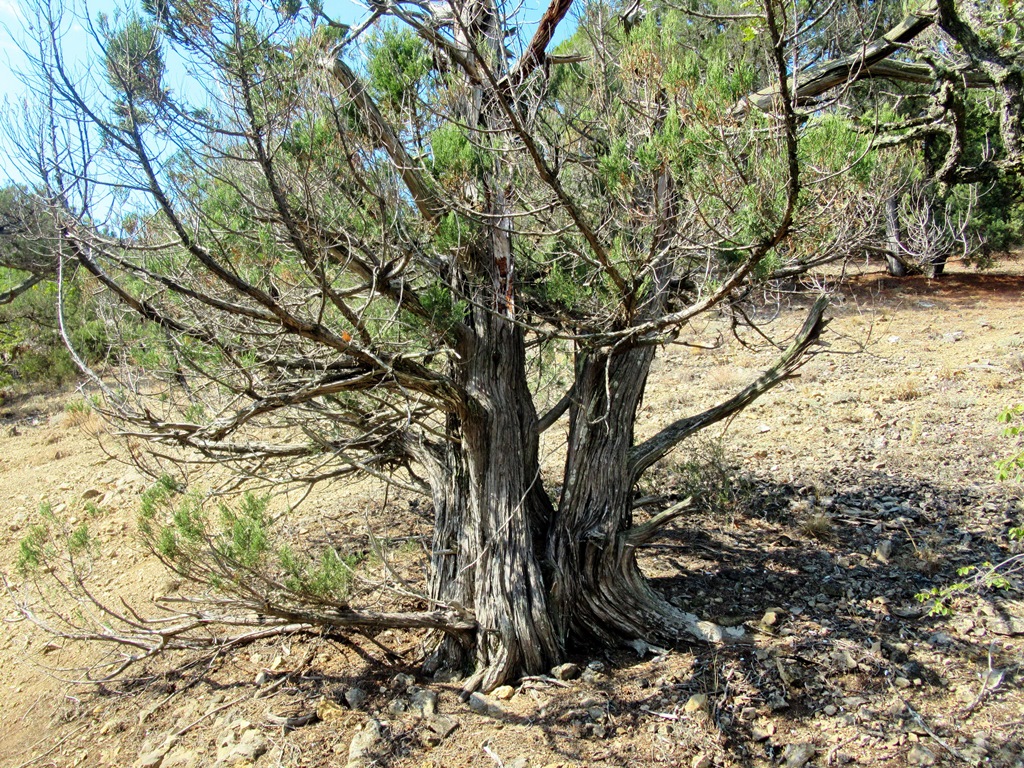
398,62
453,154
32,551
80,406
941,600
244,537
39,548
563,288
1012,467
445,311
232,552
454,232
330,577
134,65
32,351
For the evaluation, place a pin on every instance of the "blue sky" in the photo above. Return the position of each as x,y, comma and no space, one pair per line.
12,19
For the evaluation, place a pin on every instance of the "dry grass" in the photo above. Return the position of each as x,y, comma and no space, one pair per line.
906,390
994,382
1016,364
727,377
949,372
818,526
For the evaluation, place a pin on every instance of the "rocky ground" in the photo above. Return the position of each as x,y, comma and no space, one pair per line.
825,509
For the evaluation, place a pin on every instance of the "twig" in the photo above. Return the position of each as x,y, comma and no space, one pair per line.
832,752
662,715
984,685
259,694
920,721
37,758
545,679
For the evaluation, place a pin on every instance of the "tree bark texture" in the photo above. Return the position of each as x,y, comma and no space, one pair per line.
490,505
894,238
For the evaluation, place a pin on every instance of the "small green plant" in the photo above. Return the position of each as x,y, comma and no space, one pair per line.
77,406
32,551
48,539
232,552
976,578
1012,467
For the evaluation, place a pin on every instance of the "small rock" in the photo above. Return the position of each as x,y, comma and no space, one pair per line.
844,660
398,706
902,682
596,713
250,746
919,755
503,692
798,755
696,703
355,698
442,726
484,706
830,709
328,710
593,676
567,671
151,757
883,551
402,682
423,701
762,731
363,744
701,761
180,758
520,762
447,676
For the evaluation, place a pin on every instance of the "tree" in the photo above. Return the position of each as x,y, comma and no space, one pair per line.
345,247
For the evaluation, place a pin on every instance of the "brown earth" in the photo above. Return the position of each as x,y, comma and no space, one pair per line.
828,506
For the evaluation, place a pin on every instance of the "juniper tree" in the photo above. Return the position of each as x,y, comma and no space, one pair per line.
343,244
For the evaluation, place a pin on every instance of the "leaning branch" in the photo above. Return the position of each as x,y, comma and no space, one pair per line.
639,535
534,55
848,69
384,137
8,296
650,451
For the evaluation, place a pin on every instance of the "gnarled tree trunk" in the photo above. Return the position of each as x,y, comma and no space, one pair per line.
598,591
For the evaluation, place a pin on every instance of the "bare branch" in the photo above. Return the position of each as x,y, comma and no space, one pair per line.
648,452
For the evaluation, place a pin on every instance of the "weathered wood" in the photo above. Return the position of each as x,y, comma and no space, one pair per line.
649,451
848,69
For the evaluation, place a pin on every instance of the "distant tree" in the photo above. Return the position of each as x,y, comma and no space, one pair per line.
946,80
347,248
27,240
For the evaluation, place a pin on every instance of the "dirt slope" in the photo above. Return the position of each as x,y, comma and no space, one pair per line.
863,482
